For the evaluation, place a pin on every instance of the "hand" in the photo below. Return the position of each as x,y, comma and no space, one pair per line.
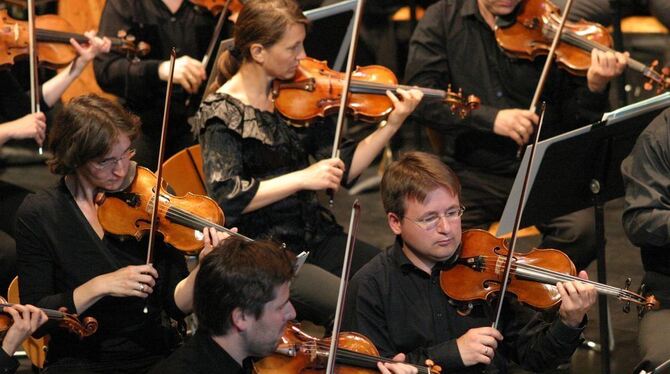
188,72
477,346
576,299
87,53
212,240
516,124
27,319
604,67
404,106
29,126
323,175
133,280
397,368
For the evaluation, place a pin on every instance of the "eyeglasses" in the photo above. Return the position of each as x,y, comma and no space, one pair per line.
110,163
431,221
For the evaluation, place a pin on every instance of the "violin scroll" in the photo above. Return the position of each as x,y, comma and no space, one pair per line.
460,106
127,45
72,323
659,80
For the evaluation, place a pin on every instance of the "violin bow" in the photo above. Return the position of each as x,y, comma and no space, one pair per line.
34,84
159,171
345,89
212,42
524,188
344,282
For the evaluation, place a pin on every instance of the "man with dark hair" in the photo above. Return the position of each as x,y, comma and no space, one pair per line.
241,301
396,299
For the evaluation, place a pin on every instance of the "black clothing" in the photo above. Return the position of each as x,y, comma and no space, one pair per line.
646,176
201,355
600,10
58,251
242,146
452,44
14,101
8,364
136,82
403,309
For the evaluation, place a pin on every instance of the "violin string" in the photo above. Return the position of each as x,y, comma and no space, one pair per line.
380,88
566,278
361,357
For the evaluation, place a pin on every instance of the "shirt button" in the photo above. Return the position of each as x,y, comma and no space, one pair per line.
439,315
173,19
499,94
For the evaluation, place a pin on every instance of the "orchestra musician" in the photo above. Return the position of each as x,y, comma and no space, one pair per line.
257,166
26,319
16,122
65,259
645,220
140,84
396,299
454,43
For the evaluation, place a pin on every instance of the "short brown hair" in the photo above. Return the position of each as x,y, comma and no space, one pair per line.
86,128
260,21
414,176
238,274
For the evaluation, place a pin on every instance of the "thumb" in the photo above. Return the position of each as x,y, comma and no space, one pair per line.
400,357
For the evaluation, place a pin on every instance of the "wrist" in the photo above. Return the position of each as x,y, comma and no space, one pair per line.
163,68
8,347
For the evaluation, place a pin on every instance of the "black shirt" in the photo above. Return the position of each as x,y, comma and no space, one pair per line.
403,309
452,44
58,251
201,355
136,81
8,364
242,146
646,176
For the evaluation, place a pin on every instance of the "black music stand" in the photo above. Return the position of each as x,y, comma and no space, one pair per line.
580,169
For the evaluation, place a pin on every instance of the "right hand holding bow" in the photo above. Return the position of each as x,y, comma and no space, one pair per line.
477,346
325,174
516,124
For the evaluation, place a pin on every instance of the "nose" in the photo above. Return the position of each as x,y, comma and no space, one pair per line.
120,168
291,312
302,53
443,225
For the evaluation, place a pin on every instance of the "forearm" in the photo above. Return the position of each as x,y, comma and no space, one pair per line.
369,148
183,292
87,294
6,133
275,189
53,89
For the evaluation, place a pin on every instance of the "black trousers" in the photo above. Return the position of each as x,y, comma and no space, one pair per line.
484,196
315,288
11,197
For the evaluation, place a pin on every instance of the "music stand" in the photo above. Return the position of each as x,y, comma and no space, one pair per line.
577,170
325,13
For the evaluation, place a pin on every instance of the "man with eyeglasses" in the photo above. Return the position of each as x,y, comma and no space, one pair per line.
397,302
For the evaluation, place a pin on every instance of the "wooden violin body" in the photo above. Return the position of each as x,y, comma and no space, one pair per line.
480,270
316,90
216,6
128,213
536,24
53,35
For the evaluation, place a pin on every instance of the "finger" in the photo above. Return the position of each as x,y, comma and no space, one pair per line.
146,280
147,269
400,357
80,50
382,368
394,99
583,274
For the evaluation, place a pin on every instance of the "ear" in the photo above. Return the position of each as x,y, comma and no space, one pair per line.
394,223
239,319
257,52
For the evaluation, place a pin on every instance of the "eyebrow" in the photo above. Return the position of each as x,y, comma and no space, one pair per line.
111,158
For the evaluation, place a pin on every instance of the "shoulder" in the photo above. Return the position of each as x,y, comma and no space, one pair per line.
41,204
375,271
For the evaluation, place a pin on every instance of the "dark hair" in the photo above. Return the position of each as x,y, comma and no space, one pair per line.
414,176
238,274
260,21
87,128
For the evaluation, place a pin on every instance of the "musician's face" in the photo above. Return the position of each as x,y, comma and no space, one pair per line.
431,231
109,171
262,334
282,58
499,7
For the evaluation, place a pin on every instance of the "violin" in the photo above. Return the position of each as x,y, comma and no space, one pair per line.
535,26
53,34
479,271
299,352
67,321
315,91
128,213
216,6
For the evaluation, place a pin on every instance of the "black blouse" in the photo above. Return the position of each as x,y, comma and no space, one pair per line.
242,146
58,251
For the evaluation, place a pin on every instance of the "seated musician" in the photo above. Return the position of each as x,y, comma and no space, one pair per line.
454,43
17,123
65,259
645,219
396,299
257,166
25,320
